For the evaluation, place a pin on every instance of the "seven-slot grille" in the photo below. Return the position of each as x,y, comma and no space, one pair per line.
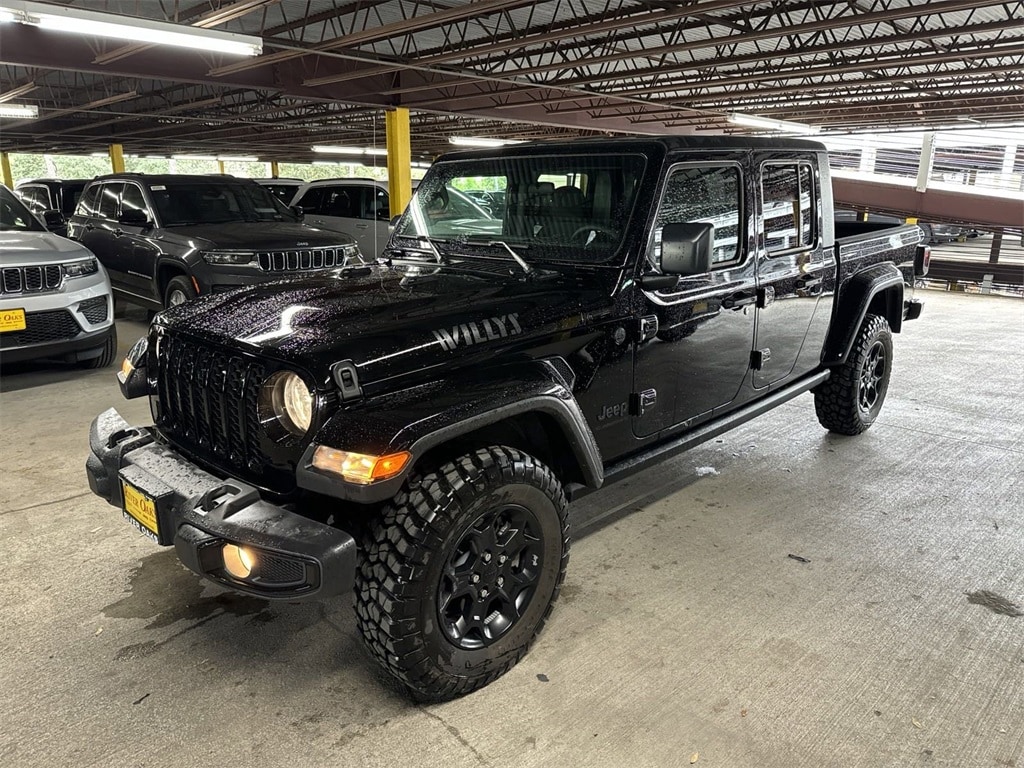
295,261
209,401
31,279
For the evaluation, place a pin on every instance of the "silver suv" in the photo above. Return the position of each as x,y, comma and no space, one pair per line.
55,299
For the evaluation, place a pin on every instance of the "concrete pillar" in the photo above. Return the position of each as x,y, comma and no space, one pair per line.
867,159
5,162
399,159
924,168
997,244
275,170
220,167
116,158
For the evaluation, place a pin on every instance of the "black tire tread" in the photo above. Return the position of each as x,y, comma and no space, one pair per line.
389,578
108,354
835,401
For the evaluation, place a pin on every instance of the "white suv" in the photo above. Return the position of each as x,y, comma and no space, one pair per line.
357,207
55,299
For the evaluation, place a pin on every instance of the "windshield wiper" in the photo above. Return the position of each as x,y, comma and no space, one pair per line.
527,269
430,241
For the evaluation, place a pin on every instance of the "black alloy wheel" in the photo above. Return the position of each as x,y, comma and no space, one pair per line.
491,576
459,573
850,401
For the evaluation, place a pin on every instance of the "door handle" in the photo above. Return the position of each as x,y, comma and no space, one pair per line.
89,227
807,282
362,226
118,232
739,300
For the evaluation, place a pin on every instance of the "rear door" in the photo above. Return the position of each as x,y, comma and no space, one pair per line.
790,264
98,235
134,250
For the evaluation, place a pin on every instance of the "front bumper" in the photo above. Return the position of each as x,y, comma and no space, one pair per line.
295,557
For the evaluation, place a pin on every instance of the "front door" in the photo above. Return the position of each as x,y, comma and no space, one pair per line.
694,351
790,265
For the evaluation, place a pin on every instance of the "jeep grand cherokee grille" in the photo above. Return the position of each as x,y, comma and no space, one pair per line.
296,261
31,279
208,401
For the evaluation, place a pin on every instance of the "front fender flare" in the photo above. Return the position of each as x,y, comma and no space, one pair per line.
424,417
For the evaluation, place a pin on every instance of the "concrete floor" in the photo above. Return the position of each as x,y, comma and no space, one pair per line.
685,631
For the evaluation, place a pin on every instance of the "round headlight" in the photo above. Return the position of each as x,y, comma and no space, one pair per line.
286,399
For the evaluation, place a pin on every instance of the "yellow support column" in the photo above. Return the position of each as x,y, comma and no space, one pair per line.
399,159
117,158
5,161
275,169
220,167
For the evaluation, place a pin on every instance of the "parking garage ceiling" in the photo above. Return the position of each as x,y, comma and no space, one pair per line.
518,69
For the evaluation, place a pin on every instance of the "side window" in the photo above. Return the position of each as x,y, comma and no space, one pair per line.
36,198
788,206
88,205
133,199
108,200
311,200
704,194
374,204
341,201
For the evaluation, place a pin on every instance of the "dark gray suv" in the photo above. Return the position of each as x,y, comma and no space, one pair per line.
165,239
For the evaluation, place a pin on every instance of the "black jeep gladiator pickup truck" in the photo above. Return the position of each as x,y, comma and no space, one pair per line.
415,430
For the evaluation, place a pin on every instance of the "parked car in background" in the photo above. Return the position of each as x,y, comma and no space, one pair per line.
357,207
933,232
55,298
166,238
283,189
42,195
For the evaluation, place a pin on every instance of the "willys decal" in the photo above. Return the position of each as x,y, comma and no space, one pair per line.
476,331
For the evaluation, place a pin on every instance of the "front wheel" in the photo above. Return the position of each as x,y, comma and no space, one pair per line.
106,357
461,571
850,401
179,290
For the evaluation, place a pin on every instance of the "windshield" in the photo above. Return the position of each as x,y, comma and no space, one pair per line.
211,202
15,216
546,207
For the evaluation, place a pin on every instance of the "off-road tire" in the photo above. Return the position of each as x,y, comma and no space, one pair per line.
178,284
849,402
107,356
406,573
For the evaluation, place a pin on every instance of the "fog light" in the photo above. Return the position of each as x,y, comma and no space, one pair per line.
238,561
127,368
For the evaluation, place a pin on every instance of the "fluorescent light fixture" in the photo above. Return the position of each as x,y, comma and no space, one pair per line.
238,158
326,149
474,141
92,23
19,110
771,124
194,157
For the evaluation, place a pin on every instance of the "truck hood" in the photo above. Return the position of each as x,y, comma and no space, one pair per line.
29,249
389,324
257,236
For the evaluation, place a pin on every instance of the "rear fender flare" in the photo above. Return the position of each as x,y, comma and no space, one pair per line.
879,286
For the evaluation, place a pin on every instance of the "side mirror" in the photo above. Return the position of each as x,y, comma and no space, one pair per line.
299,211
686,248
133,217
53,219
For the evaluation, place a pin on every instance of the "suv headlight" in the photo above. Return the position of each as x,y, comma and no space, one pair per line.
230,258
285,400
351,253
81,268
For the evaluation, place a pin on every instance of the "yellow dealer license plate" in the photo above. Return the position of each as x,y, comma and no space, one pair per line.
140,511
12,320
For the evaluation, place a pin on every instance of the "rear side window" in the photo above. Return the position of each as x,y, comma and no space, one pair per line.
789,206
374,204
37,198
108,200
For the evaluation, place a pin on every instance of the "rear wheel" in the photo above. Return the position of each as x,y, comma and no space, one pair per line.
850,401
179,290
462,570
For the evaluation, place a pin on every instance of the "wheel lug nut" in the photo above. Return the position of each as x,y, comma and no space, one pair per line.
476,577
501,581
483,593
487,557
502,558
